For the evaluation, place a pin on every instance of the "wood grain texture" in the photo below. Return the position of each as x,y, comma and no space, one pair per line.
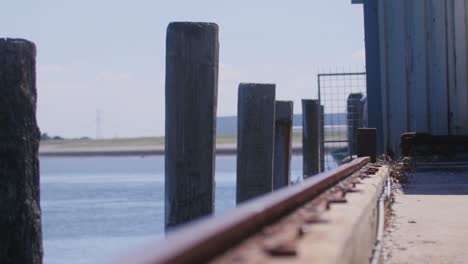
191,100
20,212
283,144
255,140
311,137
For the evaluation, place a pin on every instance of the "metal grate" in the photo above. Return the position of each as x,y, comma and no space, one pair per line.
343,98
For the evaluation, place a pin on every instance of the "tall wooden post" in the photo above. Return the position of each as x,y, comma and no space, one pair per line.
311,137
20,211
191,98
283,144
322,138
255,140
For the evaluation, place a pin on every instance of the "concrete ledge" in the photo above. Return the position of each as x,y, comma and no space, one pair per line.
349,235
346,233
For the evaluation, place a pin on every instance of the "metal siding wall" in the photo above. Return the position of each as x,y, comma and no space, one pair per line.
383,71
374,96
437,47
460,94
418,74
424,67
396,69
451,68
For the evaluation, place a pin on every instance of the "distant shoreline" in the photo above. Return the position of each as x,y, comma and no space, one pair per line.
152,146
133,152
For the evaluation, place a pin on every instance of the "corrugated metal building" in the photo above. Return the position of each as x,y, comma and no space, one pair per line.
417,65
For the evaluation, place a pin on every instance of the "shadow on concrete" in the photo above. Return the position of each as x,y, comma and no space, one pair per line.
437,182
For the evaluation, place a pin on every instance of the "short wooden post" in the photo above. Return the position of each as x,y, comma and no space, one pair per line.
191,99
255,140
311,137
283,144
367,143
20,211
355,117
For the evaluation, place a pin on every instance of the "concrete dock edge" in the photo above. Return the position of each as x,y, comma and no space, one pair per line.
349,235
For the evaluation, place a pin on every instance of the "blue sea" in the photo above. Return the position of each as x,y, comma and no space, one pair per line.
97,208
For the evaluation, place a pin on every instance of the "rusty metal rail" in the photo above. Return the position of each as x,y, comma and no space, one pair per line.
205,239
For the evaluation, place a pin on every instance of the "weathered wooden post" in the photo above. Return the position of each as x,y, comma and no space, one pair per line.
283,144
255,140
322,138
191,99
20,211
355,116
367,143
311,137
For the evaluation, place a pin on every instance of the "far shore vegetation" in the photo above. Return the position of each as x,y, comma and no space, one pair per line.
48,140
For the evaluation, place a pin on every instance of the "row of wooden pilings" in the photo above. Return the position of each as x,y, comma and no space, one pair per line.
264,137
192,57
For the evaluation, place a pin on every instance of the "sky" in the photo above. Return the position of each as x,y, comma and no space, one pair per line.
108,56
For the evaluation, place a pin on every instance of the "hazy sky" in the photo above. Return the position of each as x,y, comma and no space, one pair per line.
110,55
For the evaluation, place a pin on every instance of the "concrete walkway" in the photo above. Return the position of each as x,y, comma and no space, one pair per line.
430,221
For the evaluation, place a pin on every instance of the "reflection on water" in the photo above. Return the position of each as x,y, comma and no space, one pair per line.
97,207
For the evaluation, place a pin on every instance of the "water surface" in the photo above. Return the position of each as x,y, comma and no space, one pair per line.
94,208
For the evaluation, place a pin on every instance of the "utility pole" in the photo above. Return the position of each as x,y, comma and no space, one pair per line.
98,124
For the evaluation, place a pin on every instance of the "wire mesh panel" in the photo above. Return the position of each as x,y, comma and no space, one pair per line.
343,97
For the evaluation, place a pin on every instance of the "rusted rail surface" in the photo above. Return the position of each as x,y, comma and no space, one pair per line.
205,239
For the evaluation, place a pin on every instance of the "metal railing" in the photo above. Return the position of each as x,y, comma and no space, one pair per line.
206,239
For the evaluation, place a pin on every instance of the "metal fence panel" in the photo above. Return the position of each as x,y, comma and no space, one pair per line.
343,97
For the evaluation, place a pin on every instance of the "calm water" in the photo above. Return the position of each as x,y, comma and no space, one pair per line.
99,207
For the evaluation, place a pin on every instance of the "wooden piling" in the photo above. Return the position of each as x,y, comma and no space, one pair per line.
283,144
322,138
311,137
367,143
192,55
355,116
255,140
20,211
